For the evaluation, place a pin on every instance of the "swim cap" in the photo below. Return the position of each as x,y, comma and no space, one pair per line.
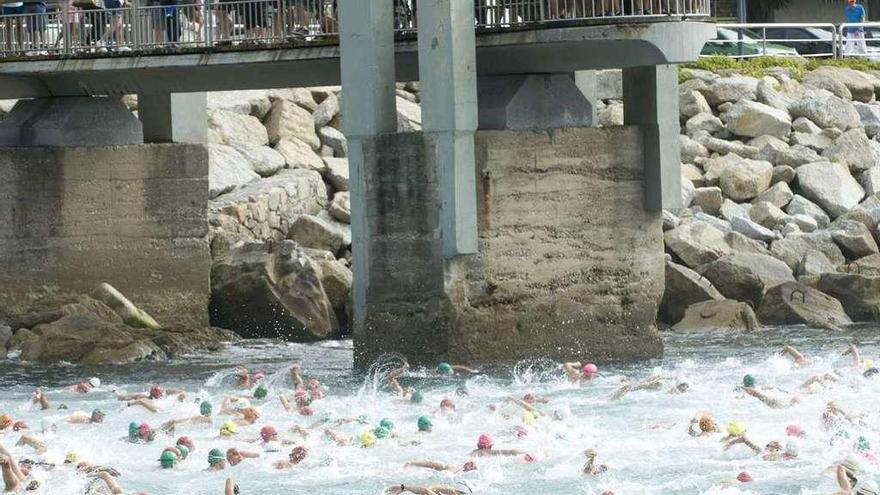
184,451
186,442
862,444
748,381
485,442
242,404
589,369
272,446
381,432
520,431
83,388
268,433
156,392
867,487
132,431
205,408
298,454
528,417
735,428
261,392
447,404
529,398
144,431
5,421
744,477
215,456
416,397
425,423
868,362
97,416
707,424
167,460
71,457
19,425
444,368
95,382
250,413
367,439
258,375
302,398
530,458
469,466
795,431
387,424
228,429
852,465
314,383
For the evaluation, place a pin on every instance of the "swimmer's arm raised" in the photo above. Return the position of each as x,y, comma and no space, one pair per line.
436,466
572,369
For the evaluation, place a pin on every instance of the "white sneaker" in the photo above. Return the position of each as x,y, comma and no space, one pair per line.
124,48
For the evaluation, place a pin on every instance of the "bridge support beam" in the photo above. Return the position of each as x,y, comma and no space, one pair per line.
174,117
536,101
650,101
70,121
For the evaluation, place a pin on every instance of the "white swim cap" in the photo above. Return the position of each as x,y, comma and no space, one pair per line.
95,382
272,446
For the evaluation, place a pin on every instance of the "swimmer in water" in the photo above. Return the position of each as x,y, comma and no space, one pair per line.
453,369
216,460
394,383
13,477
82,418
771,401
156,392
796,356
580,373
809,386
439,466
109,481
590,468
296,456
833,415
234,456
651,383
485,448
856,356
231,487
462,488
40,398
33,442
707,426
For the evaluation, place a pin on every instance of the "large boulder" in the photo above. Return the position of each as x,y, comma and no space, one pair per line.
753,119
409,116
263,160
225,127
691,103
298,154
316,232
730,89
704,122
271,290
768,215
745,179
690,149
718,315
794,246
683,288
340,207
752,230
854,150
854,239
248,102
859,84
709,199
791,303
326,111
826,110
287,120
797,155
815,263
335,140
868,266
745,277
696,243
870,115
227,170
337,280
870,180
336,172
831,186
859,294
800,205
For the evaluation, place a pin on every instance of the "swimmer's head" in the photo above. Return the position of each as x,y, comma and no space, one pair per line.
862,444
447,404
71,457
749,381
444,369
744,477
314,383
5,421
228,429
485,442
133,431
83,388
381,432
589,370
167,460
95,382
707,424
367,439
205,408
735,428
98,416
298,454
156,392
19,425
268,433
529,398
469,466
215,457
424,423
145,432
853,468
868,363
261,392
251,414
682,387
774,446
184,451
416,397
187,442
387,424
795,431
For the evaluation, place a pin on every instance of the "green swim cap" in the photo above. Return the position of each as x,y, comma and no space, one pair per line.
425,423
206,408
326,417
444,368
168,460
862,444
184,450
748,381
381,432
261,392
363,418
215,456
387,424
133,430
416,397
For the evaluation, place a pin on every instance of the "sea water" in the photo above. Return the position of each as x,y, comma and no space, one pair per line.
642,437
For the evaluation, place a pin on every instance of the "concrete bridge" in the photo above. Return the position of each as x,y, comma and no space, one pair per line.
510,227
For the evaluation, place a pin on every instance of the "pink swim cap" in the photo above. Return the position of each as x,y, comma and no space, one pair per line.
744,477
469,466
529,398
144,430
795,431
589,369
530,458
485,442
259,375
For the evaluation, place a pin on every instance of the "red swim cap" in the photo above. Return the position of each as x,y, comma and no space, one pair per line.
744,477
298,454
485,442
186,442
268,433
529,398
469,466
447,404
19,425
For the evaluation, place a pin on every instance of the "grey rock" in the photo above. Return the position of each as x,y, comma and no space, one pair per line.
337,172
131,315
298,154
805,126
709,199
826,110
611,115
805,222
726,314
684,287
696,243
263,160
718,223
859,84
326,111
287,120
227,169
800,205
771,95
753,119
730,89
796,156
751,229
340,207
252,102
782,173
704,122
317,233
792,248
746,179
409,116
692,173
687,192
870,180
670,220
745,277
859,294
225,127
303,97
815,263
691,103
730,209
768,147
868,266
739,243
768,215
6,336
816,142
789,228
832,132
854,239
335,140
779,195
831,186
870,116
691,149
791,303
724,147
854,150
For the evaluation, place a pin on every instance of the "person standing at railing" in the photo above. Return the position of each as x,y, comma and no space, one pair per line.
13,26
70,25
115,21
855,36
36,23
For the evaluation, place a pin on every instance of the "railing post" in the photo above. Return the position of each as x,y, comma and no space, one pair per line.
65,31
764,41
206,23
135,25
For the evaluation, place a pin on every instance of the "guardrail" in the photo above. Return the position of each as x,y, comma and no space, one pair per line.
859,40
81,26
776,39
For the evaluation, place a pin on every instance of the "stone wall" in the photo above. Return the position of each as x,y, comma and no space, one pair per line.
570,264
132,216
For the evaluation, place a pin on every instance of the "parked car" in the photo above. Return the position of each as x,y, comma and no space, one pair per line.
744,43
810,41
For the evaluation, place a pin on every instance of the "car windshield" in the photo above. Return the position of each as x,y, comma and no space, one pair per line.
730,34
819,34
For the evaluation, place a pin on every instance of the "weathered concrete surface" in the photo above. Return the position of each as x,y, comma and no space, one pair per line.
570,263
131,216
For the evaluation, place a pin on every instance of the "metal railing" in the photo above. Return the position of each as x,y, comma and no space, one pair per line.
859,40
774,39
82,26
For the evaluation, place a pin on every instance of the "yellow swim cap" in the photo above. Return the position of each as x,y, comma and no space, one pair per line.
735,428
528,417
869,363
368,439
228,429
71,457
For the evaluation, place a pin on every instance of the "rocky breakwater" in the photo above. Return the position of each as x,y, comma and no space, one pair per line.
780,183
102,327
280,211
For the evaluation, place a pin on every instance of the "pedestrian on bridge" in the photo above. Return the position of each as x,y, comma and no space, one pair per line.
855,36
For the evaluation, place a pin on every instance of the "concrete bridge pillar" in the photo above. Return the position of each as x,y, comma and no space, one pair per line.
537,101
650,101
174,117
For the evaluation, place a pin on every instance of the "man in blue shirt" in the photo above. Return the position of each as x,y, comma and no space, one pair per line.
855,37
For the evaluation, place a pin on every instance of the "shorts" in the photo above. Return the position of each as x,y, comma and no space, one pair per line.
112,4
35,22
13,10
